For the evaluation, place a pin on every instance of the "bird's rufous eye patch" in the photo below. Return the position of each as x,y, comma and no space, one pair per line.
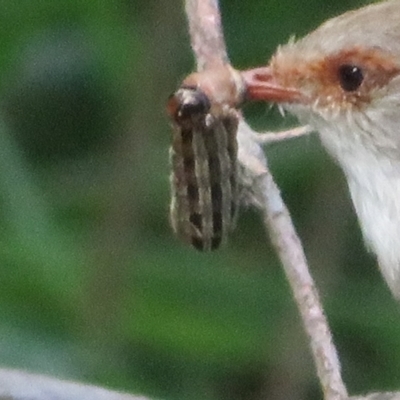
351,75
344,78
377,67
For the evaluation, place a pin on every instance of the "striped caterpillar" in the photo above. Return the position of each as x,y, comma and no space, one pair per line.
203,156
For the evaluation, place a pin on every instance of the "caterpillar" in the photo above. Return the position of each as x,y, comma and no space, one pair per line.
203,157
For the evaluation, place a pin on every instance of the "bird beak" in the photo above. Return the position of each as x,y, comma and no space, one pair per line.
261,85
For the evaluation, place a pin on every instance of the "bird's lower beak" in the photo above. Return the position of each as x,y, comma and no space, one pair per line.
261,85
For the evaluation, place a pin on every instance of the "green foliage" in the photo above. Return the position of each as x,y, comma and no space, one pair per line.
93,286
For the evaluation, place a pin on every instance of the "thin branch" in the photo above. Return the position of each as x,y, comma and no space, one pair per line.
274,137
206,35
288,246
378,396
209,48
20,385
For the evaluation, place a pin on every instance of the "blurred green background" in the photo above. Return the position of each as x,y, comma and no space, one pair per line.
93,285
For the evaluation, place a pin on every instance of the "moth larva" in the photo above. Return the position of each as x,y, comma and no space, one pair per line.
203,157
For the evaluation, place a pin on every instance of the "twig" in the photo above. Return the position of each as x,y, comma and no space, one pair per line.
206,35
20,385
274,137
378,396
209,48
288,246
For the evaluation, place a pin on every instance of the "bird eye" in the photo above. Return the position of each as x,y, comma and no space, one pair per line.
350,77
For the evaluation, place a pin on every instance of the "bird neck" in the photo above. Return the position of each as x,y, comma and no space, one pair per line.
374,181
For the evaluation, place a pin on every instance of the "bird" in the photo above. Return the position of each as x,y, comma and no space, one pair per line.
343,79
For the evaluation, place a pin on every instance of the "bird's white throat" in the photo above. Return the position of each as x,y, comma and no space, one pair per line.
373,178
